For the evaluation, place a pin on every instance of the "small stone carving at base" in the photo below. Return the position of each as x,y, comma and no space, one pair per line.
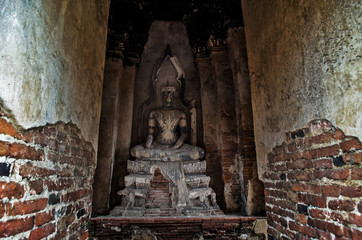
188,190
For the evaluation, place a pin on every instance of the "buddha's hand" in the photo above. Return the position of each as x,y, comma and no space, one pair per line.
178,144
149,141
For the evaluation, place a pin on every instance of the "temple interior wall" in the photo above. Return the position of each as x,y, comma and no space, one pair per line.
108,133
115,134
304,64
51,77
123,144
251,188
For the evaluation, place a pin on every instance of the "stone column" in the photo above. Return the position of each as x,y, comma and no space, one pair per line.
208,102
226,125
125,110
246,146
108,130
193,116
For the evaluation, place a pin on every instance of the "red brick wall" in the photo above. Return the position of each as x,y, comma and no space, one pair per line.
313,188
159,192
228,148
226,129
46,179
158,199
213,165
248,156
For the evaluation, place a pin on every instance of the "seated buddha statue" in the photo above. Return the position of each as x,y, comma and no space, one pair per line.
167,131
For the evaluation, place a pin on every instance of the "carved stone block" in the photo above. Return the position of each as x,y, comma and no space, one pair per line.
187,190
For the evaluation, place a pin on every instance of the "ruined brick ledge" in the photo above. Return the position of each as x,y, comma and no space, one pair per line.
179,219
183,227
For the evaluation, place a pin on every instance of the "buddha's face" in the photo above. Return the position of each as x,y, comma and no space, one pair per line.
167,98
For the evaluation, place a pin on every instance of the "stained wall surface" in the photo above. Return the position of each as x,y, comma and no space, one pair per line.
305,63
52,60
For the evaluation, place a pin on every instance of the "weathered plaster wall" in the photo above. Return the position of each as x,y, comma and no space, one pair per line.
305,63
51,64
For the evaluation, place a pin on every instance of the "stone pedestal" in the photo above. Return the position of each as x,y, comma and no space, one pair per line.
167,188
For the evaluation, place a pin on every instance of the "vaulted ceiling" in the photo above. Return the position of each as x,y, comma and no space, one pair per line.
130,20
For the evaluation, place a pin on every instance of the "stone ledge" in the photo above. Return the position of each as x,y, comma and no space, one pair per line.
210,227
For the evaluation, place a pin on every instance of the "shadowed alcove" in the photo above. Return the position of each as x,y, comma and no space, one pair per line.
192,42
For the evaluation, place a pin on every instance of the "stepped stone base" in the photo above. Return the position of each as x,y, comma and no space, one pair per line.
167,188
164,212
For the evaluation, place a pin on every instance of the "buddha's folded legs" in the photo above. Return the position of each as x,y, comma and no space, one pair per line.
184,153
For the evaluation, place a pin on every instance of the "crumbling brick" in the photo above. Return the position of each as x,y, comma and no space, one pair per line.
56,172
323,171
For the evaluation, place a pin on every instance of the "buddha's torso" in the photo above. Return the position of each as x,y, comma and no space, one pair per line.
167,122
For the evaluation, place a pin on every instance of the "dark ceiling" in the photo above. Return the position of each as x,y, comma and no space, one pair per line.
130,20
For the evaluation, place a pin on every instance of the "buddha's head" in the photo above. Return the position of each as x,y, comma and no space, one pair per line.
168,94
